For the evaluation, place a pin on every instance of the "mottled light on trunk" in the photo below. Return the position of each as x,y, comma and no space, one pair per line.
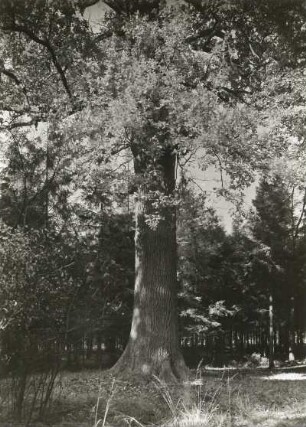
153,347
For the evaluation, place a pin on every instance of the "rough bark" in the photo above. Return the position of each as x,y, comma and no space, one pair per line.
153,347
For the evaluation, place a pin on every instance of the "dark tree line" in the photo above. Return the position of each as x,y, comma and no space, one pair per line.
76,299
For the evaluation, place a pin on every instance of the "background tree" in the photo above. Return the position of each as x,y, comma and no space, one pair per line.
275,224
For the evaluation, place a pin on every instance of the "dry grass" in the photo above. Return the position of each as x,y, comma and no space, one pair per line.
225,399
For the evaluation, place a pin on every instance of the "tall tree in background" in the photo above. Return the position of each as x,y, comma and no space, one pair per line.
276,224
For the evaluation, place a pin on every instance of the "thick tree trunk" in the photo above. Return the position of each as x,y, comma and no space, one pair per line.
153,347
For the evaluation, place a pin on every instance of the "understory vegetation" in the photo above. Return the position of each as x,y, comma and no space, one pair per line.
226,398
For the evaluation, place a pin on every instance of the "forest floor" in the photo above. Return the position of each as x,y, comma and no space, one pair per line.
216,398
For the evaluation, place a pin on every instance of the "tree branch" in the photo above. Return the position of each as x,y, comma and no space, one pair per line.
232,92
46,43
103,36
59,68
116,7
207,32
16,125
301,215
220,168
132,6
11,75
84,4
188,158
193,180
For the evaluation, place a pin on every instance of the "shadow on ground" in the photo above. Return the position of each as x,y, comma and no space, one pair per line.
297,422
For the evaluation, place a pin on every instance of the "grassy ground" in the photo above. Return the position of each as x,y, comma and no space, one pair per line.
215,399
